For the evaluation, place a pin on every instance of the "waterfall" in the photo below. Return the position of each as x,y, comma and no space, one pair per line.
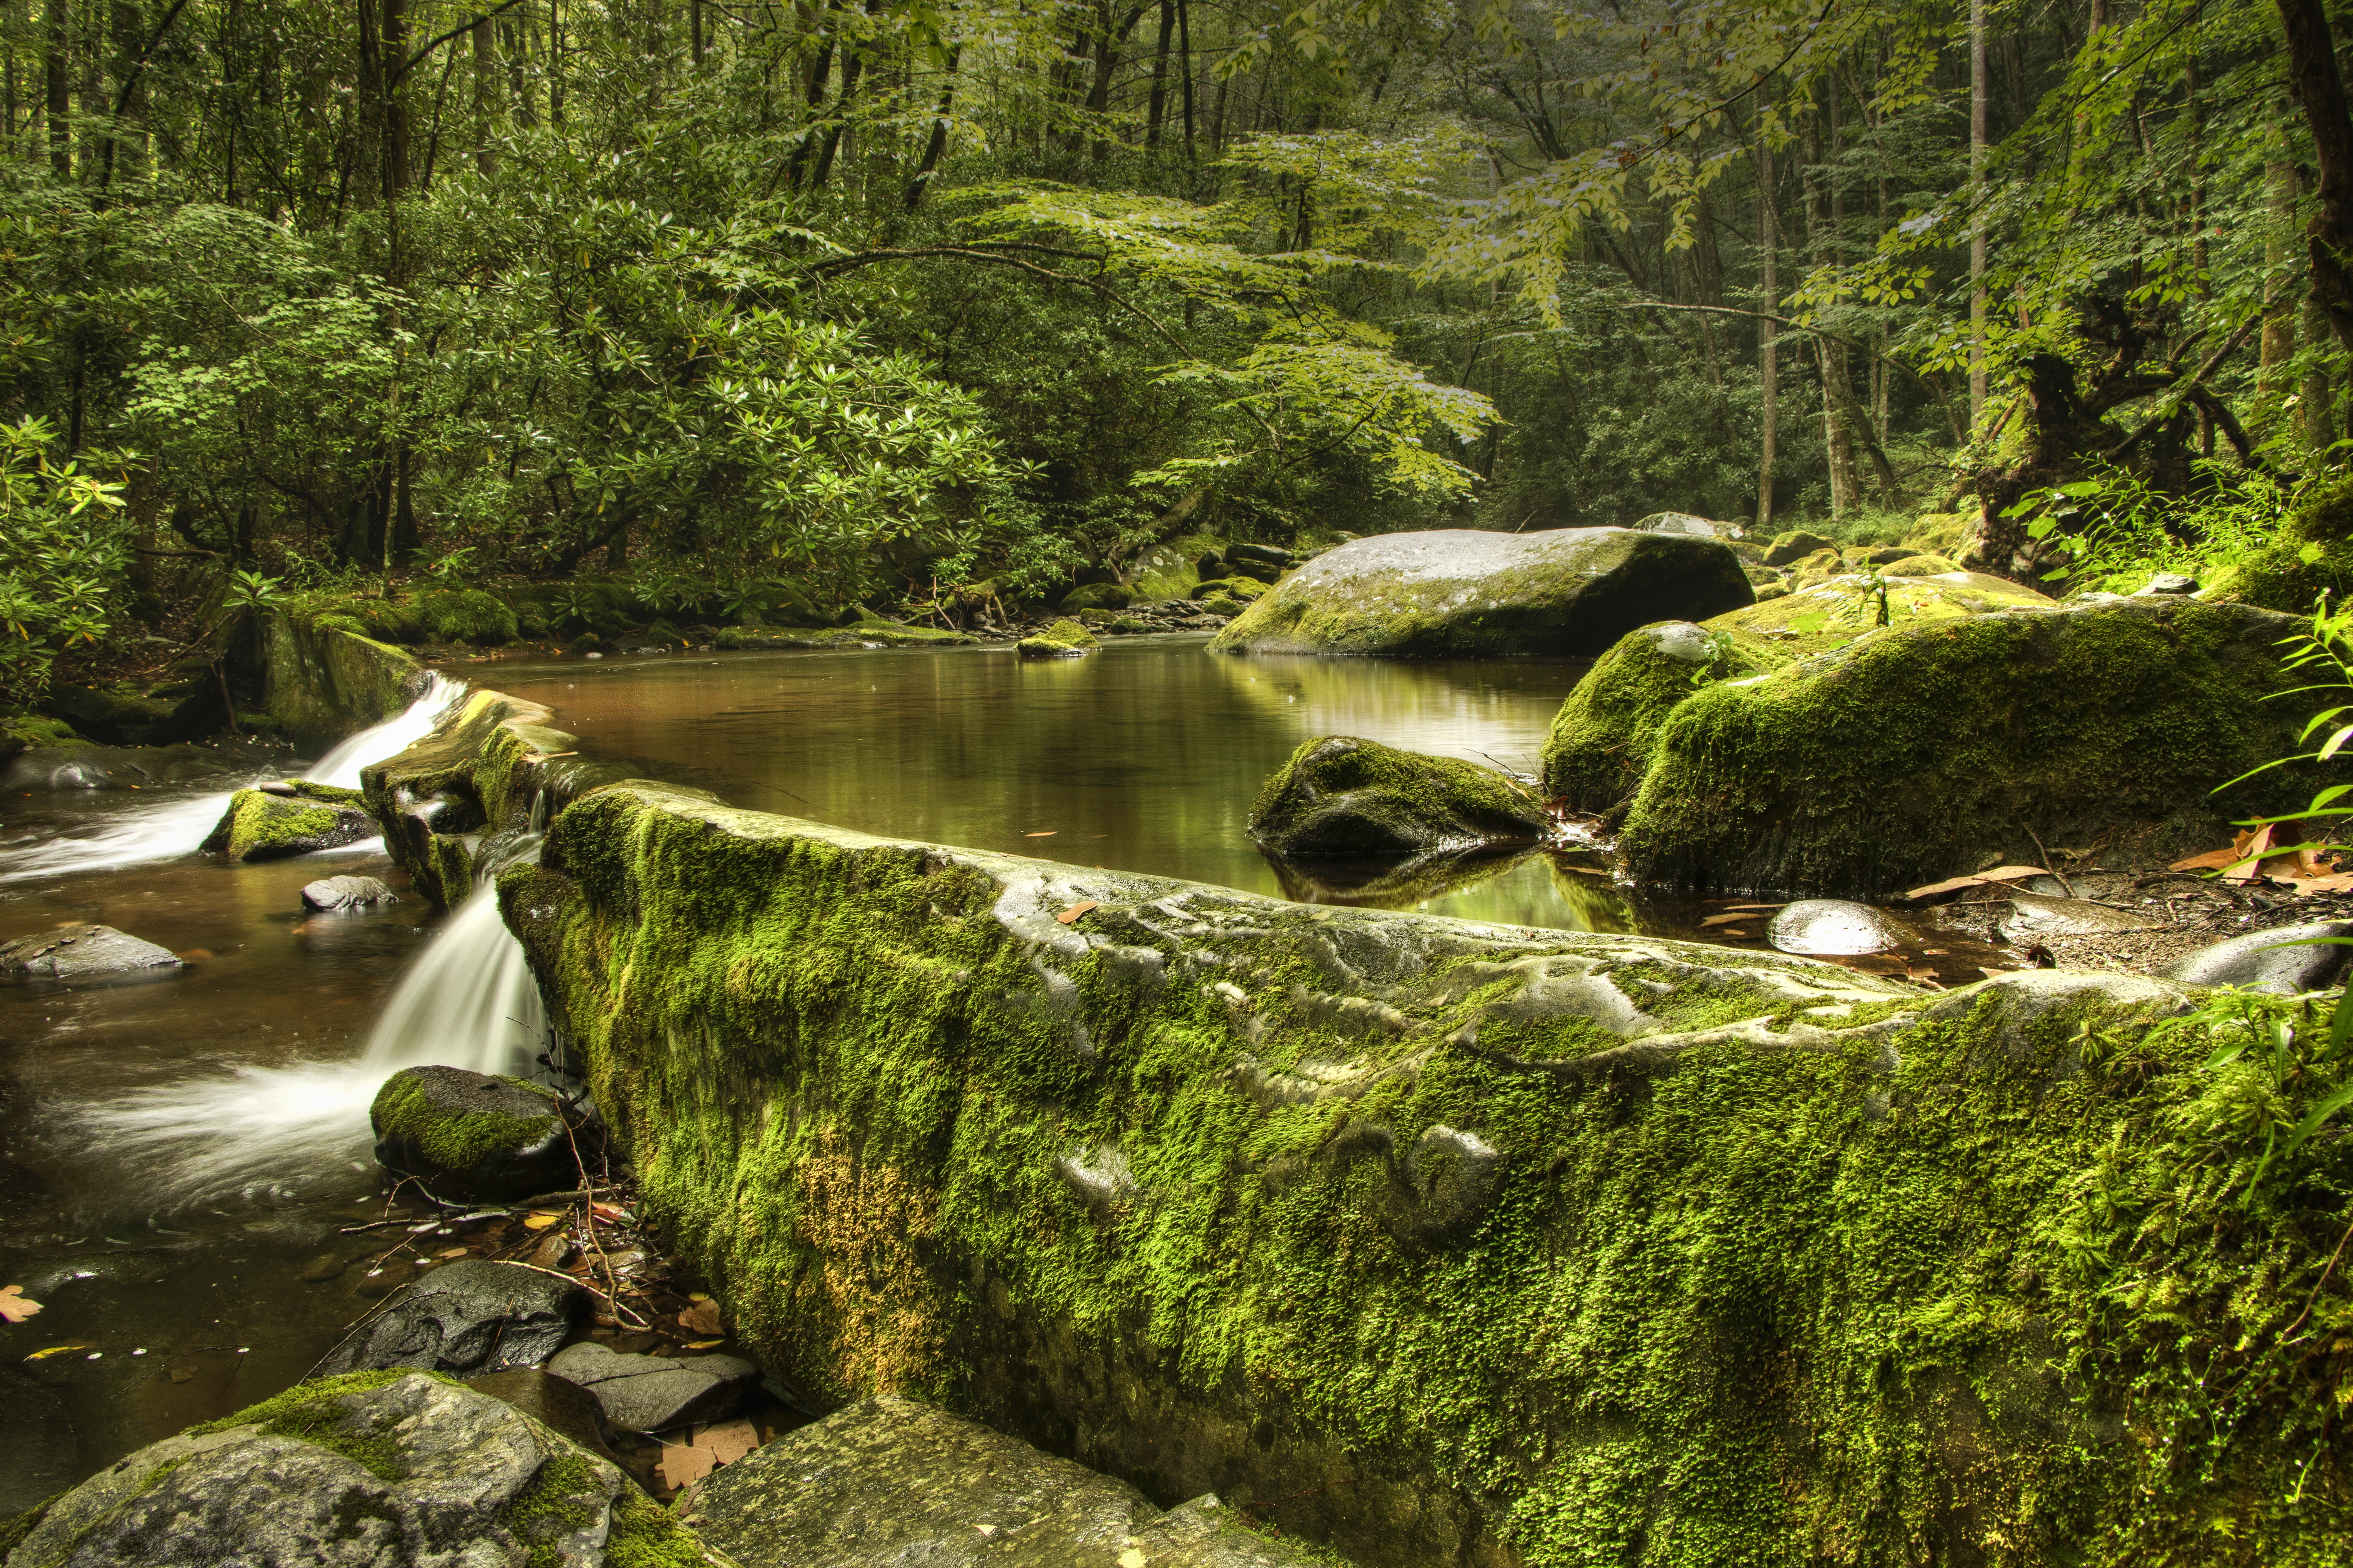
468,1000
175,828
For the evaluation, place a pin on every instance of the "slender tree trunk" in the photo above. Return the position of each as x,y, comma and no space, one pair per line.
56,82
1768,377
1185,64
1838,444
2278,346
2318,404
2320,87
1159,99
1977,210
694,29
126,153
820,74
938,144
486,83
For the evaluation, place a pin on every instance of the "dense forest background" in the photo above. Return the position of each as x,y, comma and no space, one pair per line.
873,300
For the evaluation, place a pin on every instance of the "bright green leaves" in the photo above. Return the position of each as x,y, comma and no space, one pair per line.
63,546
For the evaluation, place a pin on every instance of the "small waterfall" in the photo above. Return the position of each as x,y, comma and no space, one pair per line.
175,827
468,1000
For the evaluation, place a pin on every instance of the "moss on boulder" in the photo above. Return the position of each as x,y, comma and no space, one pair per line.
1908,754
1339,797
857,634
1462,593
1096,596
1921,566
1599,745
1066,638
1447,1242
1833,613
471,1137
295,816
1789,548
323,682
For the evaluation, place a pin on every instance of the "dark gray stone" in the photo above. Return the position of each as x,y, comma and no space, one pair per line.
466,1319
1830,927
888,1482
651,1392
346,894
2286,961
1466,594
414,1474
83,953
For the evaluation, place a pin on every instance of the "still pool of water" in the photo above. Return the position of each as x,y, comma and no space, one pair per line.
1145,757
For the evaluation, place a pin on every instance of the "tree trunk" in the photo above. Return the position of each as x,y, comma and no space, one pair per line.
57,83
2279,306
1838,445
125,154
1184,63
1159,99
2318,84
1977,212
938,145
486,77
1768,306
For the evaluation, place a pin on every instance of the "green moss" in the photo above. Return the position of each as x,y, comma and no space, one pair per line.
13,1532
1920,566
563,1497
2311,554
456,1143
314,1413
645,1536
1941,533
1340,795
1599,744
1096,596
19,731
1835,613
259,825
1066,638
1916,751
323,682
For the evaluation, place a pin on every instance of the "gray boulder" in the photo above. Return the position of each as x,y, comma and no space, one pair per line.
1828,928
886,1482
651,1392
465,1319
367,1471
1462,594
1340,796
83,953
2285,962
346,894
2034,916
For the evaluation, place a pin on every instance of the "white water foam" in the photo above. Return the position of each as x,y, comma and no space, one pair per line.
175,828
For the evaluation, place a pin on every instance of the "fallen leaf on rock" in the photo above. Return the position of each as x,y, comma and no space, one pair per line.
15,1306
682,1463
728,1440
1070,915
612,1213
1978,879
2211,860
538,1220
702,1318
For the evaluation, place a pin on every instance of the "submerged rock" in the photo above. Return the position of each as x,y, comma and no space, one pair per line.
653,1393
473,1137
1066,638
1600,746
887,1481
346,894
465,1317
1833,927
368,1471
1913,749
2286,961
83,953
39,1450
1341,797
1462,593
263,824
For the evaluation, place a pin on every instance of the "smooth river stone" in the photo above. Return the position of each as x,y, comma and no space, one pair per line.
1833,927
83,953
652,1393
2285,962
2032,916
464,1319
346,894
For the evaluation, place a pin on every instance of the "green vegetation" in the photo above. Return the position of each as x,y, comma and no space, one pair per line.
315,1413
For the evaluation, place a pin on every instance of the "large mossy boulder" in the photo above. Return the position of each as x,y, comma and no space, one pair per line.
1447,1242
369,1470
890,1482
293,816
1462,594
1341,797
472,1137
322,682
1832,613
1599,745
1909,753
1066,638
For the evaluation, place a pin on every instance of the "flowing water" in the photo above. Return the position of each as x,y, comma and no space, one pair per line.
178,1149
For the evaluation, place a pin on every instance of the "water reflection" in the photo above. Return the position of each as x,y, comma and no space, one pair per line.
1531,888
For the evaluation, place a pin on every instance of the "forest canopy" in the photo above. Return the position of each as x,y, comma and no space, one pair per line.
868,302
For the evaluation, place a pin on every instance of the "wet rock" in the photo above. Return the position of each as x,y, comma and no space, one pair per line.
1600,746
346,894
2286,961
261,825
887,1481
653,1393
467,1318
1341,796
551,1401
1260,554
1826,928
1831,611
39,1450
1064,639
2034,917
1455,1177
385,1278
1096,596
81,766
473,1137
1462,594
364,1472
1794,546
83,953
2167,583
2018,999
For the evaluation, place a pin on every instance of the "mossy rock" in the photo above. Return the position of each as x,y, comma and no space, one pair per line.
1686,522
1912,752
1170,570
1097,620
1064,639
112,716
470,1137
1126,626
1941,533
263,825
1599,745
2311,554
1080,1150
1339,797
858,634
1794,546
1242,589
1920,566
393,1468
1222,605
1096,596
464,615
20,731
1818,567
1833,613
1462,593
322,683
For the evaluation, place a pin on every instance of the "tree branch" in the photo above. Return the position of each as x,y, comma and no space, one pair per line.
463,27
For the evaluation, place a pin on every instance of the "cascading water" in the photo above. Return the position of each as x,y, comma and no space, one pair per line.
175,827
468,1000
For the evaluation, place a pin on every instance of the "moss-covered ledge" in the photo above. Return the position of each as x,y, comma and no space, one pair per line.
321,681
1445,1243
